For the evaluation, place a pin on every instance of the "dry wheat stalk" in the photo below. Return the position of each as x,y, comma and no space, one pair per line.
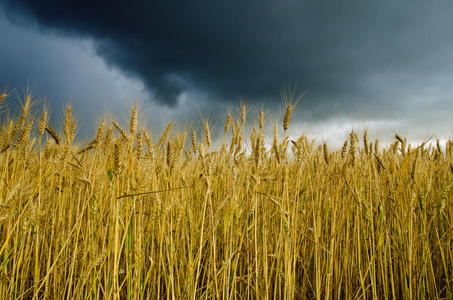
227,123
256,151
116,158
164,136
275,142
67,124
108,138
133,122
365,142
100,132
147,140
439,149
72,132
24,113
261,120
253,137
26,106
399,138
243,114
53,134
287,117
352,147
207,134
326,153
169,153
42,123
139,145
24,134
343,149
121,131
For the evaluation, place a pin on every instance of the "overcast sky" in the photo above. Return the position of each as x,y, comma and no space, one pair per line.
386,65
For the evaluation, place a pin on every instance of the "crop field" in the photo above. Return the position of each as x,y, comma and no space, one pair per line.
176,215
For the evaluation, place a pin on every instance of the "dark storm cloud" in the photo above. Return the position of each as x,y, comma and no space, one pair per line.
334,49
59,71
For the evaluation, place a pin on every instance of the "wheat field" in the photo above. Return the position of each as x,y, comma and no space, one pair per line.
129,215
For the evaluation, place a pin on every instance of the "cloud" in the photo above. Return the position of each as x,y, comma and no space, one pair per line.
252,49
60,71
375,60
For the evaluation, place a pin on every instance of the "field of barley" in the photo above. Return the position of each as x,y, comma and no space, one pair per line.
134,216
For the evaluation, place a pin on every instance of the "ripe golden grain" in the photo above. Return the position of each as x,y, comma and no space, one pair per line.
116,158
100,132
139,145
147,140
243,115
194,141
42,123
399,138
439,149
207,134
164,136
326,153
133,123
53,134
287,117
108,138
365,142
261,120
343,149
227,123
352,147
67,124
253,222
121,131
26,106
24,134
